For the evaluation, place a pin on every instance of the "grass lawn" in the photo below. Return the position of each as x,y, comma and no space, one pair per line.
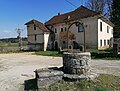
102,83
56,54
106,58
8,47
49,53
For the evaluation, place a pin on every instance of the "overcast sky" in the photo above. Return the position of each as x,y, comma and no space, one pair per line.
15,13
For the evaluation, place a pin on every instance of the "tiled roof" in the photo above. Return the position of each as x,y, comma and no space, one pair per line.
79,13
38,24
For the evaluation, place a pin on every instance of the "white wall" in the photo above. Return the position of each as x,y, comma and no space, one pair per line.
46,38
103,35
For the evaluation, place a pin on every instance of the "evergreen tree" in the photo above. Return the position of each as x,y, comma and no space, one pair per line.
115,17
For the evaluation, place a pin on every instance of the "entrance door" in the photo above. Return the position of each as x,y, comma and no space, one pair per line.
56,46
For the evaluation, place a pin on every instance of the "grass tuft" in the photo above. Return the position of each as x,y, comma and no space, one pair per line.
49,53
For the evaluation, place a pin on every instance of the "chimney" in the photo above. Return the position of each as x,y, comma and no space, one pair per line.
68,17
58,13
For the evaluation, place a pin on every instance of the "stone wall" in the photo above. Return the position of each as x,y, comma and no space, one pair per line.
76,63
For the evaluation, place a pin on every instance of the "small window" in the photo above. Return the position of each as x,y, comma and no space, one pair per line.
70,47
100,42
55,30
64,42
80,28
65,29
101,26
34,27
108,42
35,37
108,29
104,42
61,29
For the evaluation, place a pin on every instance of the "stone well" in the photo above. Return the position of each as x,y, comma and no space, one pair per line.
76,63
76,66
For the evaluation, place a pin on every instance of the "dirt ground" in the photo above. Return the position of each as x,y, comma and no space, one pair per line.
16,68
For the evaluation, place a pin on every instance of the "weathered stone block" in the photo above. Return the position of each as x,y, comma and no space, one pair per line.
46,77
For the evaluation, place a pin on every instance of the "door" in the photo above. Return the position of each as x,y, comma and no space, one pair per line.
56,46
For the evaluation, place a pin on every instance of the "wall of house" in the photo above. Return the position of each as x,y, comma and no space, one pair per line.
57,34
90,25
104,35
35,46
35,37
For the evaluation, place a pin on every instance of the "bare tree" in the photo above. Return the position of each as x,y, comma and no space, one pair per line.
102,6
108,8
96,5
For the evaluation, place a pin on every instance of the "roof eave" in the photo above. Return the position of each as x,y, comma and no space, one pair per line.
106,20
71,20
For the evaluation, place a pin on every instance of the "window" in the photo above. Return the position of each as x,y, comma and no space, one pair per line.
100,42
34,27
80,28
108,29
35,37
61,29
65,29
104,42
108,42
55,30
101,26
64,42
70,47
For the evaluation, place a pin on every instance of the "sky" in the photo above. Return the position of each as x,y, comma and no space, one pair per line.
15,13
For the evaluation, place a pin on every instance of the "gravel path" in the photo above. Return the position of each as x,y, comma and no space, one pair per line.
106,66
16,68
